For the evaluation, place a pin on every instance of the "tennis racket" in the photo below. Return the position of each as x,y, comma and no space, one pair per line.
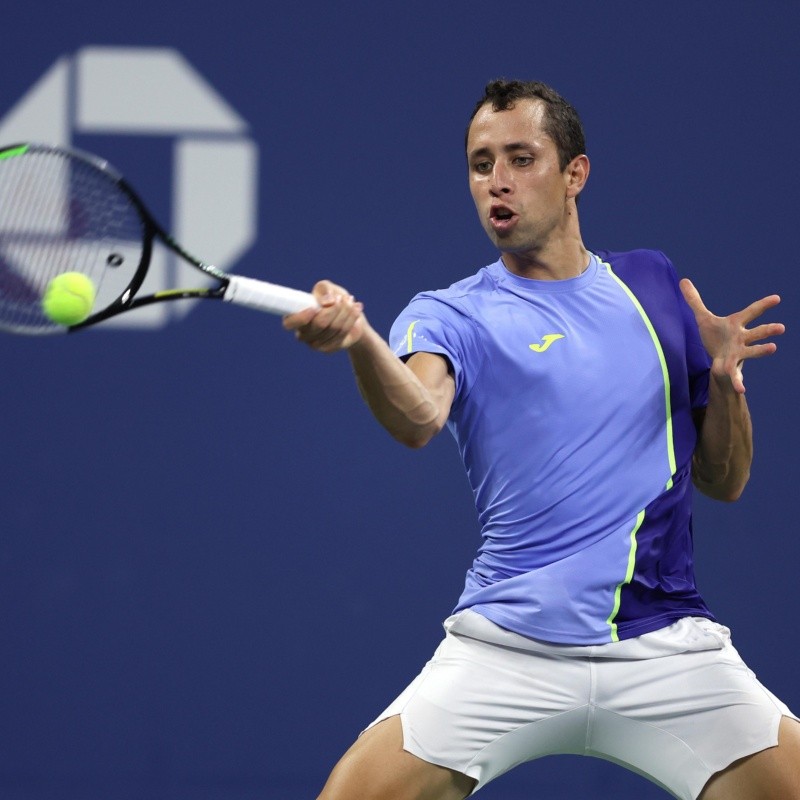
62,210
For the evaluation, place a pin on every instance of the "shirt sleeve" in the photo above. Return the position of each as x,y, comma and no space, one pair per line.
432,325
698,362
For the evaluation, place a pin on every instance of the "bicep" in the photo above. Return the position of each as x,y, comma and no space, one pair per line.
435,373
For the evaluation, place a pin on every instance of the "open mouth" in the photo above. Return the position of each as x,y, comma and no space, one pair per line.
501,213
501,217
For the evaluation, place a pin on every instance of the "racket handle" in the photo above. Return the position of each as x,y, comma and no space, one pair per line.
267,297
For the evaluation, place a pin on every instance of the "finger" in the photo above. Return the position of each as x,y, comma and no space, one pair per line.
692,297
331,305
737,380
326,292
297,320
317,331
334,312
326,337
330,341
764,332
757,308
733,369
332,325
340,334
760,350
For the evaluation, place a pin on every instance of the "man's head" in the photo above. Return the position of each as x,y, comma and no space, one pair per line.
561,121
526,169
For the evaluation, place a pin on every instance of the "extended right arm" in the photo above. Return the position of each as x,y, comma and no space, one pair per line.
411,400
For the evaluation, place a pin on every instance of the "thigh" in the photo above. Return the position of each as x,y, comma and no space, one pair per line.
479,708
772,774
681,718
377,767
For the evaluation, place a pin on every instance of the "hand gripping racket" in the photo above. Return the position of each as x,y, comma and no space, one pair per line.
63,210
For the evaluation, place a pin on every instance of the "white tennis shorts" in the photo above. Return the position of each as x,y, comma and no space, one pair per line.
676,705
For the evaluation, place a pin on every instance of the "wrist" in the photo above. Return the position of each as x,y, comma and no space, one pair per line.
726,380
365,339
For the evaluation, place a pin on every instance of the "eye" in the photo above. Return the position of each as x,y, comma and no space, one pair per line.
523,161
482,167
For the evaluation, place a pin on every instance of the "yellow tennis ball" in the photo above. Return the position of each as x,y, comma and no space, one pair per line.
69,298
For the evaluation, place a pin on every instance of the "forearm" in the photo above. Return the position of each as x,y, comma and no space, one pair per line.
412,412
724,452
412,401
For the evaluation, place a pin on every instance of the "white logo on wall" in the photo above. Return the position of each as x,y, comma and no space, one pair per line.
155,92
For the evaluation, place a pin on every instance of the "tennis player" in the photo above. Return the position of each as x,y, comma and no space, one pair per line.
587,391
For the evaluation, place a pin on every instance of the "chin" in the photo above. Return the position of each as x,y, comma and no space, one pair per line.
505,242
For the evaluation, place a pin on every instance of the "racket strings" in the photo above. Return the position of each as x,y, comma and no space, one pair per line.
61,213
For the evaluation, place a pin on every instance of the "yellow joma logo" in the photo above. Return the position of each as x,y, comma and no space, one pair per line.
547,340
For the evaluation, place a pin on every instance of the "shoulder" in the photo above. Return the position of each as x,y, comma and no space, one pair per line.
642,270
448,318
482,282
448,304
636,259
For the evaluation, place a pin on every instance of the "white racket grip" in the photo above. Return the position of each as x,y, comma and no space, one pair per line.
267,297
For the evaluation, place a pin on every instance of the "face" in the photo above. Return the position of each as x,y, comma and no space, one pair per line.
523,198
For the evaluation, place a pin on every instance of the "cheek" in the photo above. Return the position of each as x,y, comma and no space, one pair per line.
475,192
544,194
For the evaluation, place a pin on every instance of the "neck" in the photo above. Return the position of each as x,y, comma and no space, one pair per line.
556,254
554,264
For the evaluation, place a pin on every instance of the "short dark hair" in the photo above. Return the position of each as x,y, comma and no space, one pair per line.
562,122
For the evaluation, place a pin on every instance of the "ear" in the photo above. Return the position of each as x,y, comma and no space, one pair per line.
577,173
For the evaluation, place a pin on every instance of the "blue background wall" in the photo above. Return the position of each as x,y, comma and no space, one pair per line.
215,568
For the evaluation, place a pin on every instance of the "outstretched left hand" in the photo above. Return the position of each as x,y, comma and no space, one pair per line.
727,339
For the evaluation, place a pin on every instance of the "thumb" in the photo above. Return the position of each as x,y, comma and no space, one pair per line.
692,297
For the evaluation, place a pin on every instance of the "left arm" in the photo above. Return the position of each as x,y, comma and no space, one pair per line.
724,451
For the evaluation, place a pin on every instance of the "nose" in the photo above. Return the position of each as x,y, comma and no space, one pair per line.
501,180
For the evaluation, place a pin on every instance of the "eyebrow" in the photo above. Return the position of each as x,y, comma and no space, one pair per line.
511,147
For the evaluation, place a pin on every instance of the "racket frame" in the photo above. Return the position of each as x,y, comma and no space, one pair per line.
245,291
